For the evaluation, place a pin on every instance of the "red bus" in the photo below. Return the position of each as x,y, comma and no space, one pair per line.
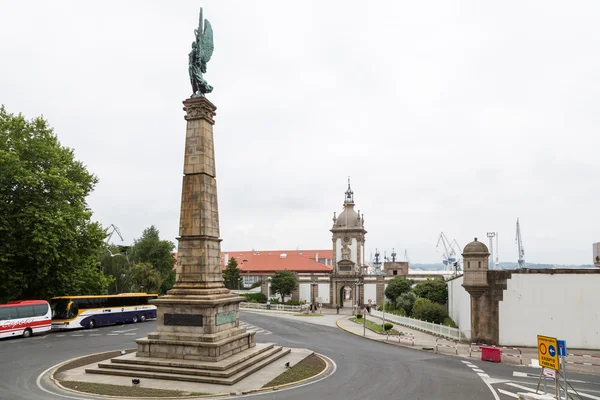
25,318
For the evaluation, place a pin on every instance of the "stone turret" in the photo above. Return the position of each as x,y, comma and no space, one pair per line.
475,265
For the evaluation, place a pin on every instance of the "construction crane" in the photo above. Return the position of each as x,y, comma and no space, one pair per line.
112,228
520,248
406,257
491,236
457,250
449,255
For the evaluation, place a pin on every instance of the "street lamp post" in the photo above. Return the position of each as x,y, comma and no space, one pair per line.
358,284
313,284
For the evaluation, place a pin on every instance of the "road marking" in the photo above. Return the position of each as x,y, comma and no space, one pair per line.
61,335
521,374
483,375
506,392
76,334
95,334
477,370
126,330
485,378
589,396
112,334
131,333
524,388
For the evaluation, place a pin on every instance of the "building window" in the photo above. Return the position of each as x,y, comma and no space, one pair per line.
249,280
468,264
479,264
395,272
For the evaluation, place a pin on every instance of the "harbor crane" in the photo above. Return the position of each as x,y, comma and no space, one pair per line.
520,248
493,250
406,257
449,255
112,228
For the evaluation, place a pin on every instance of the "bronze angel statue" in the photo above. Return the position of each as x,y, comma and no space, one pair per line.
202,50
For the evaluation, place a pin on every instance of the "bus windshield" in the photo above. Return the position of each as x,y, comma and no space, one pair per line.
60,308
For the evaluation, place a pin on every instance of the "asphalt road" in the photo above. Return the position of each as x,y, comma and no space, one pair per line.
365,369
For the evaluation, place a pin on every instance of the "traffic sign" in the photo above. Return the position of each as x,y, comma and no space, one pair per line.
562,348
548,353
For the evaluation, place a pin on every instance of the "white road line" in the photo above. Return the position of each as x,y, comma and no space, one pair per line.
506,392
76,334
485,378
521,374
484,375
477,370
112,334
523,387
96,334
131,333
126,330
589,396
61,335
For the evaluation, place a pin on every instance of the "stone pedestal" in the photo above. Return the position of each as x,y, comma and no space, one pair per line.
198,319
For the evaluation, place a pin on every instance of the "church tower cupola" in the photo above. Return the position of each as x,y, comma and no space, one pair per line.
348,236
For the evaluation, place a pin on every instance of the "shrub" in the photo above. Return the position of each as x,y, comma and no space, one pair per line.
258,297
387,326
406,302
358,316
435,290
396,287
292,303
425,310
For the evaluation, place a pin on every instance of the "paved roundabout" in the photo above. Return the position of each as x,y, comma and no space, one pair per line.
363,369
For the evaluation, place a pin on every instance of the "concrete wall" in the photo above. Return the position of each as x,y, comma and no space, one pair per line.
323,292
596,254
564,306
370,292
304,289
459,305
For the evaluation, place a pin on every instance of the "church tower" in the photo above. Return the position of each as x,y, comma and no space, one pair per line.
348,236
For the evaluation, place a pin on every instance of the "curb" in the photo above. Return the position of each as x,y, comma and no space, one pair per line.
241,393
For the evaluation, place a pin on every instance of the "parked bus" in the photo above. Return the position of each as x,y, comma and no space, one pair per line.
71,312
24,318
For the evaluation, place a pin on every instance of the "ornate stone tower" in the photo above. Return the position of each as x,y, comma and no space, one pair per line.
475,265
348,236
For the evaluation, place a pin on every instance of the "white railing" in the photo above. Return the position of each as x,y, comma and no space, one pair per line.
273,307
438,329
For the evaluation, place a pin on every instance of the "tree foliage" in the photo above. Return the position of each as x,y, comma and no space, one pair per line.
116,266
284,283
231,275
150,249
405,302
145,278
435,290
426,310
48,244
396,287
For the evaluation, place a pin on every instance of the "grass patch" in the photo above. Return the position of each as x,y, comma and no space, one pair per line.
308,315
306,368
373,326
448,322
128,391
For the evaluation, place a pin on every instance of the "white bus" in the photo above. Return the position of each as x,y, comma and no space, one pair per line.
24,318
71,312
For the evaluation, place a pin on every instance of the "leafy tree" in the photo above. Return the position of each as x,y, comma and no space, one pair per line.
145,278
284,283
115,264
432,289
406,302
396,287
150,249
48,243
256,284
426,310
231,275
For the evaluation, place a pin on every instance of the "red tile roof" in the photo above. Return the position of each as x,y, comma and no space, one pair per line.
271,261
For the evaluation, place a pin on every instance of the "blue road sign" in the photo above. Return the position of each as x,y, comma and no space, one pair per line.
562,348
551,351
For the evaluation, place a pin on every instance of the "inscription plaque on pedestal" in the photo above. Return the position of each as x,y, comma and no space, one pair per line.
183,320
226,317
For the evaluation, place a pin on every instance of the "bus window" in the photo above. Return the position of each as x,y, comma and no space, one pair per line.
73,310
25,311
60,308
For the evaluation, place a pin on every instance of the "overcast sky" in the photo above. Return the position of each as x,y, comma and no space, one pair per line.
451,116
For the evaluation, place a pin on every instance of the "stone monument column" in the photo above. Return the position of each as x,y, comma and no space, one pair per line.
199,318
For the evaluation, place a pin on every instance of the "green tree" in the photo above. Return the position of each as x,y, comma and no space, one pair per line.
284,283
432,289
406,302
48,243
150,249
396,287
426,310
145,278
115,264
231,275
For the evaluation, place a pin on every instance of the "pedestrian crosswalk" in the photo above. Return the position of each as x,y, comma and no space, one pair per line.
254,328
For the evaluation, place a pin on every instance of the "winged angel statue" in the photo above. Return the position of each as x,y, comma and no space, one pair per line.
202,50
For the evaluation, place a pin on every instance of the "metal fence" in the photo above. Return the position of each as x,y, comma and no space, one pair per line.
430,327
273,307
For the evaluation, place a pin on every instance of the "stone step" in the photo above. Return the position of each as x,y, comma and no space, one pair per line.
194,370
222,365
189,378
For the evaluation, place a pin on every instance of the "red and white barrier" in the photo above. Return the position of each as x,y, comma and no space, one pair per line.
454,344
581,362
406,337
518,355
